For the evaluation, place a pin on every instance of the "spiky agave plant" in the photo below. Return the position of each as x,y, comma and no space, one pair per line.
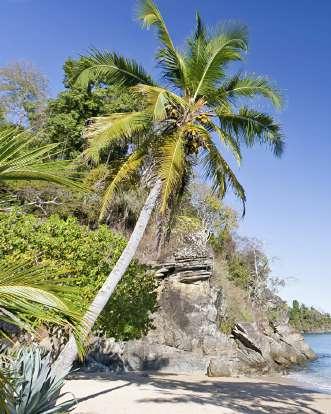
36,387
194,102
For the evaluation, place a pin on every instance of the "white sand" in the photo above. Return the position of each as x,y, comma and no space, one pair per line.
192,394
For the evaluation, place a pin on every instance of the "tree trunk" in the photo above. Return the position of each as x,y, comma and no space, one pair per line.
67,357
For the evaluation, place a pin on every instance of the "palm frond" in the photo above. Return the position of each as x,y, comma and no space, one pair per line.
150,15
200,29
251,126
174,68
250,86
127,168
25,294
109,68
218,171
196,53
208,57
19,162
172,163
170,59
229,141
107,130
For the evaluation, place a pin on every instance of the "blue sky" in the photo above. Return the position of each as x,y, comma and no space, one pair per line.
289,200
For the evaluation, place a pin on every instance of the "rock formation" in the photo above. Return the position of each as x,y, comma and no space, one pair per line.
187,336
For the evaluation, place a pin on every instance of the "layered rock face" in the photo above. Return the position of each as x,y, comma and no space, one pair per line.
187,338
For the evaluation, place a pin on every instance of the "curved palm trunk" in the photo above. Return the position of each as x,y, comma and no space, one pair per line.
65,360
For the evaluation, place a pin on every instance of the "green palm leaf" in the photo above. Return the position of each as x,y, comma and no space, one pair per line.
252,126
158,100
172,166
220,173
113,129
109,68
127,168
170,59
19,162
229,141
209,57
24,294
150,15
250,86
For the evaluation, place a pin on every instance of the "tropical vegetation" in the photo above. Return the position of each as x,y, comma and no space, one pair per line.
82,257
141,147
173,132
24,294
66,116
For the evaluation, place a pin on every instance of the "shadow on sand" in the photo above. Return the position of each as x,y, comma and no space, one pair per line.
244,396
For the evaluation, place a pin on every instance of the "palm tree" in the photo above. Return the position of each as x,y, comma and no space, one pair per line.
194,101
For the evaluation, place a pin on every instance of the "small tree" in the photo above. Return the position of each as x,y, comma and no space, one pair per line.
23,93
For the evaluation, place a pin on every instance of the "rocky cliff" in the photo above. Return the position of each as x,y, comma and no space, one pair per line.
187,335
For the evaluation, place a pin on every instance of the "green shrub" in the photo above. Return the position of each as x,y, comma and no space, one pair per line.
239,272
86,257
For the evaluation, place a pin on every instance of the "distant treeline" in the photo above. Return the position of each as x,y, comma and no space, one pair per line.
308,319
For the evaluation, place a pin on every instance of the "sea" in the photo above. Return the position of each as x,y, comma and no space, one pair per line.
316,374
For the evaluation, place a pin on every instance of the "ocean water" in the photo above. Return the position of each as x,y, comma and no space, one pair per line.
317,374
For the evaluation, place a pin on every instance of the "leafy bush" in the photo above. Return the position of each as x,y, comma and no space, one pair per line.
239,272
86,257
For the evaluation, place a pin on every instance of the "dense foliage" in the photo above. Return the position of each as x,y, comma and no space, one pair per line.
62,122
67,115
26,295
86,258
308,319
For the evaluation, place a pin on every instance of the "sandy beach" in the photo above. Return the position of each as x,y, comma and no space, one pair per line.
192,394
